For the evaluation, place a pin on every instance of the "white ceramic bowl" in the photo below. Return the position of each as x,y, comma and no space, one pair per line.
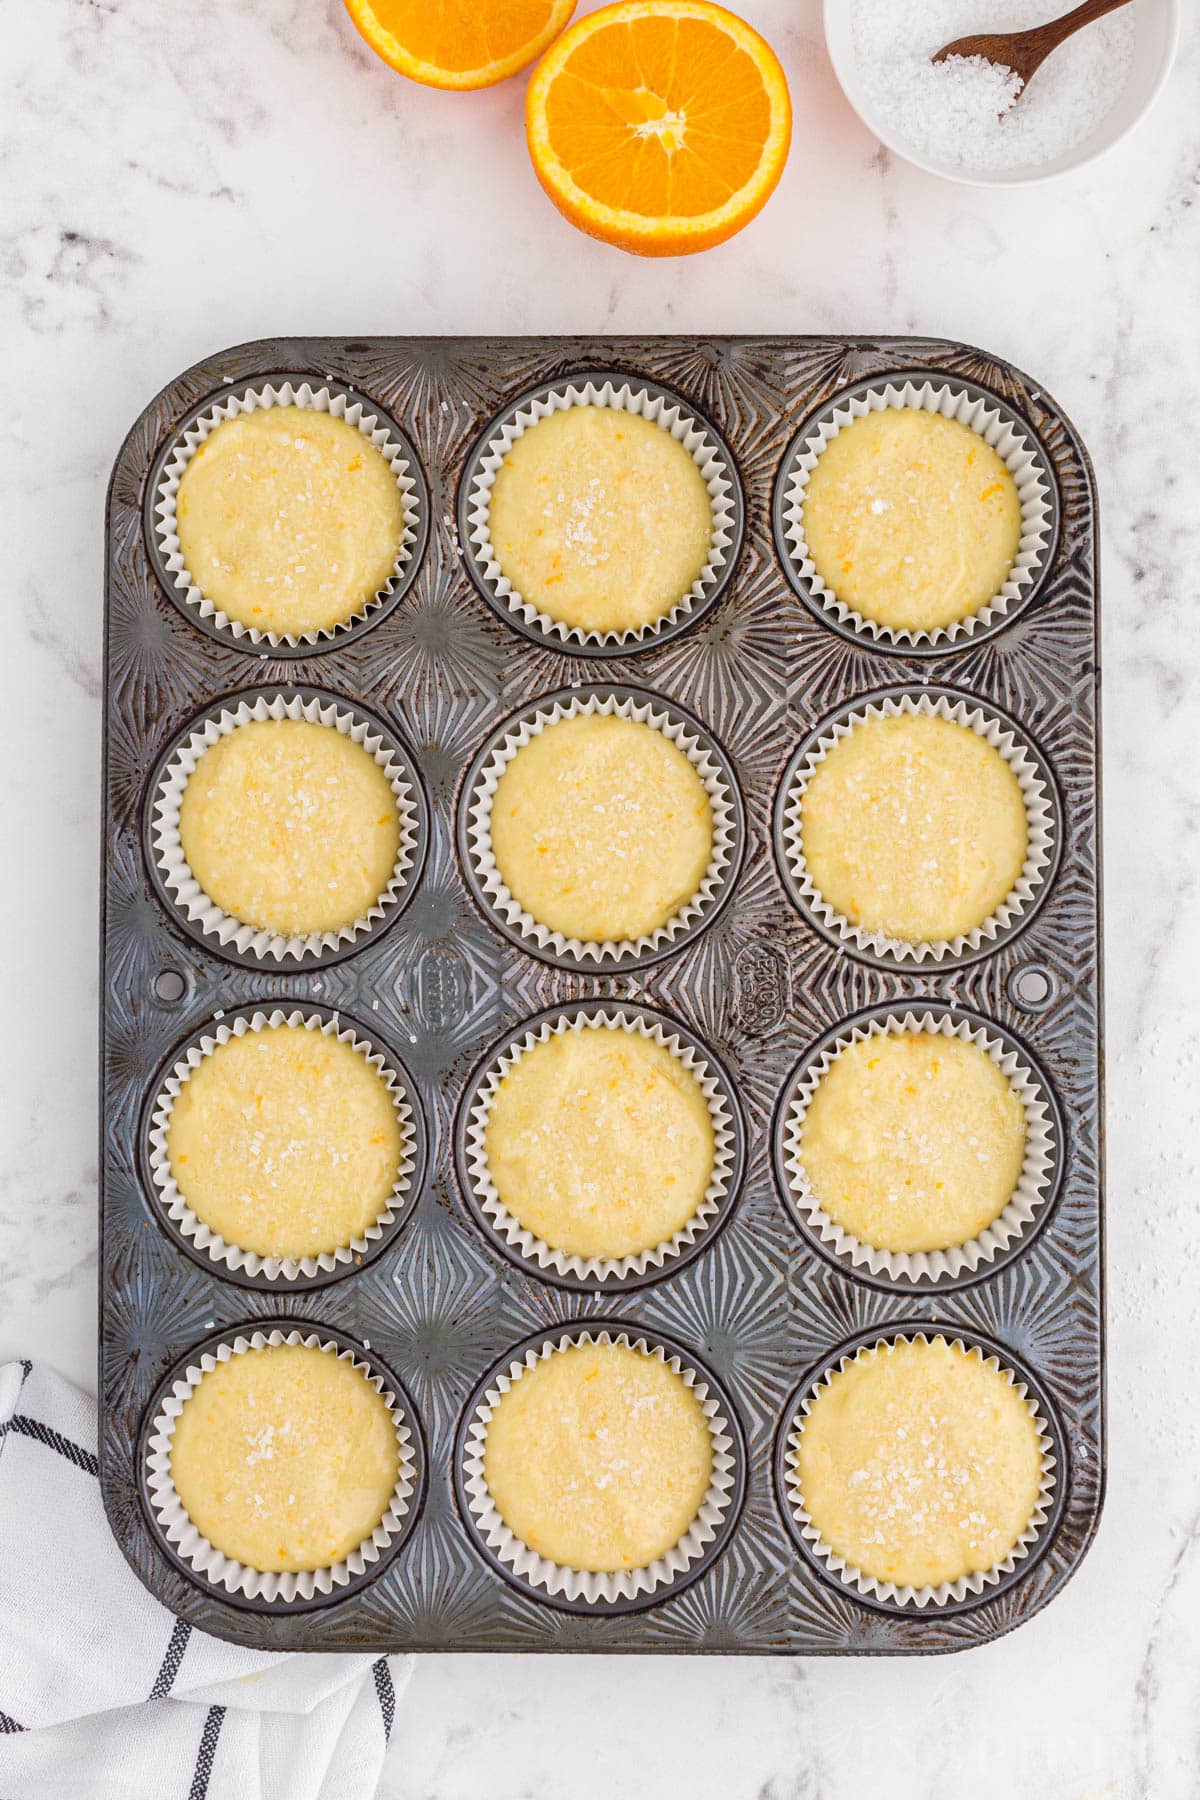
1156,38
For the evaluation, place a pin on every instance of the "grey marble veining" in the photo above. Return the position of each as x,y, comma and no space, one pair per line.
179,178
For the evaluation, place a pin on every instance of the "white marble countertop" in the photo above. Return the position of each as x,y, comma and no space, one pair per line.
179,178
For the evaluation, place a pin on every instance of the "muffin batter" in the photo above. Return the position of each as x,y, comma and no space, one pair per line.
289,519
600,1142
919,1463
285,1141
290,827
285,1457
913,1141
598,1457
914,827
601,828
912,519
600,518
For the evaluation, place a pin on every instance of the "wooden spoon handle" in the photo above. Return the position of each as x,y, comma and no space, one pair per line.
1052,34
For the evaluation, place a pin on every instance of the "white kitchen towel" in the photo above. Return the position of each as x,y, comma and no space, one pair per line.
104,1693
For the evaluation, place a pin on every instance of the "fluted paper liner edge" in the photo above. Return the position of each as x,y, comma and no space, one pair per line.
586,1585
1029,1195
328,398
177,1208
1001,429
226,1572
600,1268
1040,821
185,891
943,1592
624,395
479,811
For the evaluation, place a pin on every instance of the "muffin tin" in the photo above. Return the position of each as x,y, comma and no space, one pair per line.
438,986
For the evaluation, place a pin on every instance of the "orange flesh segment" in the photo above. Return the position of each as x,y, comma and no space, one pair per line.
459,43
657,115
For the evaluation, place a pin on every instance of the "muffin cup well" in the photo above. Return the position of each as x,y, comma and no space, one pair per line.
595,1272
475,840
625,393
1009,435
585,1590
889,1595
1041,808
254,946
269,1590
341,403
206,1244
1035,1187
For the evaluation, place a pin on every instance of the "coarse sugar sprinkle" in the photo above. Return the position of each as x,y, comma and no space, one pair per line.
963,112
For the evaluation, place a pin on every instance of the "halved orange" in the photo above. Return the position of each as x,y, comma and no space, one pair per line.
661,126
459,43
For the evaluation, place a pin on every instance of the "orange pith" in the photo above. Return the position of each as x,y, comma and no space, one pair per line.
659,125
459,43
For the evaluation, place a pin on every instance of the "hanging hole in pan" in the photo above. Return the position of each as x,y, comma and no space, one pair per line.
169,986
1033,988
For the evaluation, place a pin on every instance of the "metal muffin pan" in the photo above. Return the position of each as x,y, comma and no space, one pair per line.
439,1302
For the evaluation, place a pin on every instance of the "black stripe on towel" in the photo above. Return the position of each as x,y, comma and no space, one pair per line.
208,1749
386,1693
54,1440
165,1678
8,1724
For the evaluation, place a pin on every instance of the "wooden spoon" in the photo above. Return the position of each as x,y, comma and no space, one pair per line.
1024,52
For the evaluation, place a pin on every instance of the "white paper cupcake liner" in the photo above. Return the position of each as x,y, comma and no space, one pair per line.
1000,428
580,1584
941,1594
185,891
213,1565
479,827
1039,855
1032,1189
339,405
232,1256
619,392
598,1268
